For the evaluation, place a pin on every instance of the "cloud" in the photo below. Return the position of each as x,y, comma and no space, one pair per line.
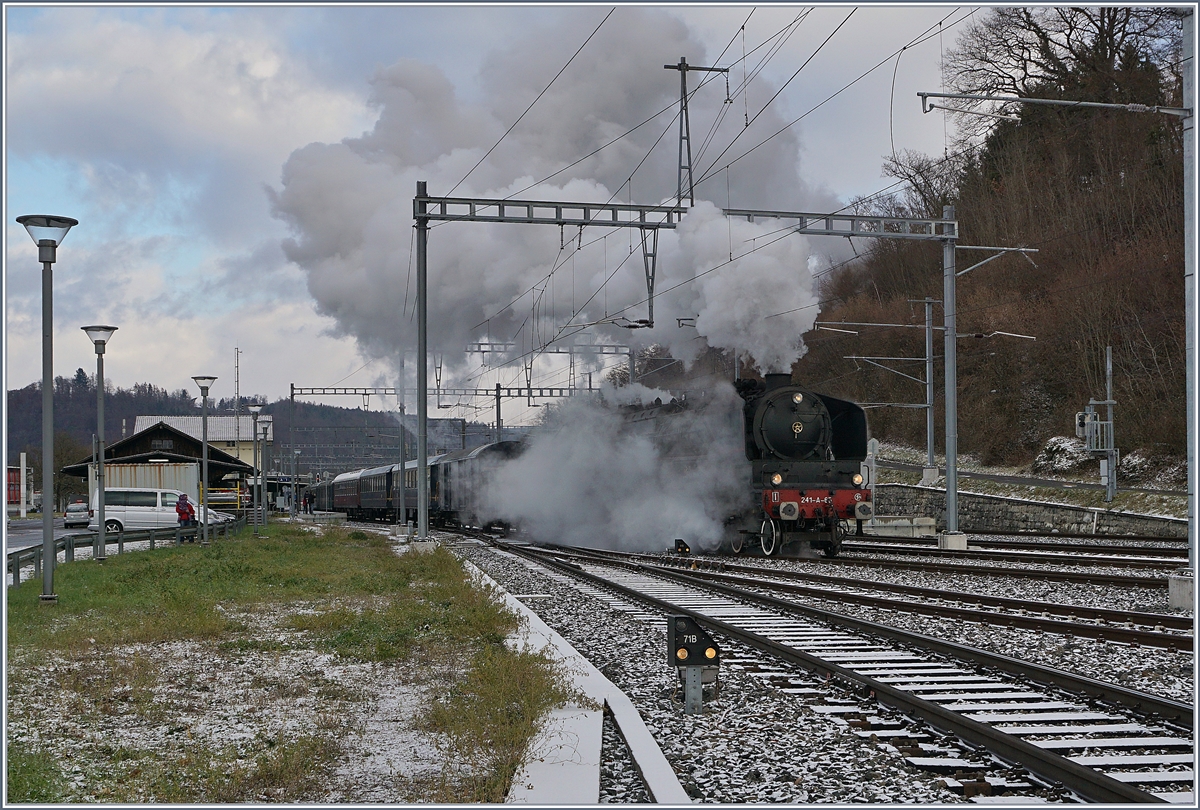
159,113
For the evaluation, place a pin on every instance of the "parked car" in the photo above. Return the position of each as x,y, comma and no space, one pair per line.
76,516
131,509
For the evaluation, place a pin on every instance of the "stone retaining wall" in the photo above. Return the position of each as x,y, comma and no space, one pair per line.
1000,514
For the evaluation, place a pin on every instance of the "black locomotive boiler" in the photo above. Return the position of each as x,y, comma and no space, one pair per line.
806,452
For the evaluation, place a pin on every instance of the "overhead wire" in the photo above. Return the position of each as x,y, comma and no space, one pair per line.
713,168
535,101
779,38
560,334
780,90
672,106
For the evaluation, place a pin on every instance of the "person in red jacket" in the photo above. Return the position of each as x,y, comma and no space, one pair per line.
186,514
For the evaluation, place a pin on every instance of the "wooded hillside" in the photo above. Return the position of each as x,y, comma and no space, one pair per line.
1098,192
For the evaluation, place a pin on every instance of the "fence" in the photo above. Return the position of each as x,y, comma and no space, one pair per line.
32,555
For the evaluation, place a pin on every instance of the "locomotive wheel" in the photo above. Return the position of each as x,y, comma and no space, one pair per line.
736,542
769,534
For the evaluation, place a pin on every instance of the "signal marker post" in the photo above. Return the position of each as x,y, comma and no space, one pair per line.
691,649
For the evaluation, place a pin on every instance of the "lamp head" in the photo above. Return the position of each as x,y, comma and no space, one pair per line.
99,334
205,382
47,228
254,409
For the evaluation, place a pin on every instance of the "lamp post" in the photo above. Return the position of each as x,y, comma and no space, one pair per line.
47,233
265,421
100,335
205,382
295,456
254,410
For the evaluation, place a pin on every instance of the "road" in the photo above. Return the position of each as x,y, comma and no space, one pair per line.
25,533
1025,482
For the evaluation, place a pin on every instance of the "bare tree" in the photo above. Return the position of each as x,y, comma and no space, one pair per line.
1102,54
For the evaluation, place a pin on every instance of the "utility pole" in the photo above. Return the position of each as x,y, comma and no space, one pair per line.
422,220
499,424
950,322
685,131
237,401
1188,67
1099,436
1110,474
402,512
930,462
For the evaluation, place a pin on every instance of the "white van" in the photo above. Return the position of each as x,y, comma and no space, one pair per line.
133,508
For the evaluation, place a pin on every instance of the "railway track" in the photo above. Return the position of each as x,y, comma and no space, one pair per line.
1046,574
1100,741
1130,627
1067,556
1166,630
1128,538
1172,552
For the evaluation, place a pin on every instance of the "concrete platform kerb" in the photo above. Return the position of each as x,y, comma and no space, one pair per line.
563,764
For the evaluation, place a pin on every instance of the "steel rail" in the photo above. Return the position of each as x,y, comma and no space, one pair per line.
1171,620
1020,545
1140,701
1078,536
1066,628
1007,556
1050,575
1085,781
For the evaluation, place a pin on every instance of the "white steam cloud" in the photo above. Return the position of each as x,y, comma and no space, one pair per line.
594,482
349,206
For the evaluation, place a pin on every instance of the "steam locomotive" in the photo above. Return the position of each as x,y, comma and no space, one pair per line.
807,473
807,454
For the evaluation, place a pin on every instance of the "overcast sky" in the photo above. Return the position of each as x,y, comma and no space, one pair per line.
243,177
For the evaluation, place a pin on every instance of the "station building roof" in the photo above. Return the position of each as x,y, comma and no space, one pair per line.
161,442
220,428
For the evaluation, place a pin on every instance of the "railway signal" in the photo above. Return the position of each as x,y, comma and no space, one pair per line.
694,654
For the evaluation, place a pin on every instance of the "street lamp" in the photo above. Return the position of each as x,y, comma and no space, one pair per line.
100,335
205,382
295,456
265,421
254,410
47,233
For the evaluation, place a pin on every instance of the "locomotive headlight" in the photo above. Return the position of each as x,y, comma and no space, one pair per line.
681,653
857,479
776,479
797,398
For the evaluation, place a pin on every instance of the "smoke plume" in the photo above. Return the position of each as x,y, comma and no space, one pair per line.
349,206
596,481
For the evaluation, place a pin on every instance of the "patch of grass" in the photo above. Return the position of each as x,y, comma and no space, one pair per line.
286,772
437,605
490,716
114,685
244,645
33,777
283,772
173,593
371,605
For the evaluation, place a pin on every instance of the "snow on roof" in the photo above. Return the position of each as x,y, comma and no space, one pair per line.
220,428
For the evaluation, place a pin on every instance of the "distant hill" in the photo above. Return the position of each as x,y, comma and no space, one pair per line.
331,439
